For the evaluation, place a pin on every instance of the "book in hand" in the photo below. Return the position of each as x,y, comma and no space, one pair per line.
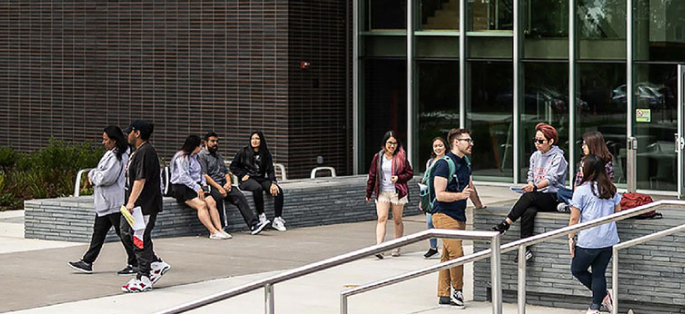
135,219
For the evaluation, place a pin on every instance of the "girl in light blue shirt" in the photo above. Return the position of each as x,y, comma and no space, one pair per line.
594,198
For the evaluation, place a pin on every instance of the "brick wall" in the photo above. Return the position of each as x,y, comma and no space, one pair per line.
70,68
651,275
308,203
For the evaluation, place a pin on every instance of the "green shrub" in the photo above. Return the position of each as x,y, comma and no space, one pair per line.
47,173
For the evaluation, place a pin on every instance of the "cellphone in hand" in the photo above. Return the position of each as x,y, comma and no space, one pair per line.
207,189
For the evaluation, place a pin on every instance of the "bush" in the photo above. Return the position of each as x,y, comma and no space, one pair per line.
47,173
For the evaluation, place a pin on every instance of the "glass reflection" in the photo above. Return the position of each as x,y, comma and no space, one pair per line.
656,90
602,19
659,28
491,15
489,117
439,15
600,85
546,18
545,100
438,103
385,104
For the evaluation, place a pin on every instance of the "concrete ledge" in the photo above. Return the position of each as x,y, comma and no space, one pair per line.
321,201
651,275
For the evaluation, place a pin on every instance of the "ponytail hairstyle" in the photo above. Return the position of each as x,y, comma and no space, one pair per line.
399,156
121,143
593,170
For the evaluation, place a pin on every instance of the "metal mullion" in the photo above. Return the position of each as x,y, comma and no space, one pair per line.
410,79
463,64
518,85
355,86
572,86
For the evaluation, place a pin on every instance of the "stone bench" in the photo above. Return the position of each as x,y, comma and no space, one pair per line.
651,275
308,202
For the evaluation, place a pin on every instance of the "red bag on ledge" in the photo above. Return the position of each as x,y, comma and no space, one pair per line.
632,200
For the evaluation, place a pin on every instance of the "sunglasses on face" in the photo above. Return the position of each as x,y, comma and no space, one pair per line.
539,141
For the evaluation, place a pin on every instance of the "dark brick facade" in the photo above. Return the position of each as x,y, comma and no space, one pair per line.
69,68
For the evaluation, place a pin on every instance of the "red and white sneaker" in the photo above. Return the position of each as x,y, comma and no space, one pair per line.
138,285
608,302
157,270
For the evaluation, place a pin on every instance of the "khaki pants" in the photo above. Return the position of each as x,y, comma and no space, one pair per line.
451,249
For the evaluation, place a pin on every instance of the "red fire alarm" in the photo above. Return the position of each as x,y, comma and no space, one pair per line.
304,65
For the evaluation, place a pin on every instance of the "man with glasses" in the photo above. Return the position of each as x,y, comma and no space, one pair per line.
449,211
217,175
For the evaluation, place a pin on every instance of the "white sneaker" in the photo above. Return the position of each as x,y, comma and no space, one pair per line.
157,270
217,236
226,234
262,218
138,285
563,208
279,224
591,311
608,301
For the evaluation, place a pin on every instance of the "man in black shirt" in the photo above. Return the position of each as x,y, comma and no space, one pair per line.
217,175
143,193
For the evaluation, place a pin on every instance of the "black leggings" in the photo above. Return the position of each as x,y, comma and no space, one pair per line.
528,205
259,186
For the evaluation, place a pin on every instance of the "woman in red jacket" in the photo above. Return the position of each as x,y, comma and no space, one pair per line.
388,175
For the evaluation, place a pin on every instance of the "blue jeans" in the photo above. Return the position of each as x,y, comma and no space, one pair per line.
429,225
595,281
565,195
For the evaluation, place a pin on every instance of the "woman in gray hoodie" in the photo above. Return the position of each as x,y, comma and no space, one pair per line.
546,175
108,180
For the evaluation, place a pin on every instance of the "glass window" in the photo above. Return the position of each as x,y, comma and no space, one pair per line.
489,118
386,15
602,87
656,90
438,104
545,99
491,15
546,29
659,28
385,105
601,29
439,15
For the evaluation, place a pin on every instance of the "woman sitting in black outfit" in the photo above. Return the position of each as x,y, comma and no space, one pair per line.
254,167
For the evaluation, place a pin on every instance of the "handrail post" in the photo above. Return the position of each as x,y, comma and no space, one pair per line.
343,303
495,272
77,184
522,279
269,299
614,280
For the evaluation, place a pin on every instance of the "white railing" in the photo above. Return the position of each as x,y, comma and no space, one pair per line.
77,183
269,282
315,170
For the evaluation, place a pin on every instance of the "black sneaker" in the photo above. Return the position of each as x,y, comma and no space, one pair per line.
502,227
82,266
128,271
458,298
256,229
446,301
431,252
379,256
529,256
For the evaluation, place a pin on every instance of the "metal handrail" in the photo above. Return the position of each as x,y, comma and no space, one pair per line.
77,184
628,244
313,174
267,283
282,168
521,245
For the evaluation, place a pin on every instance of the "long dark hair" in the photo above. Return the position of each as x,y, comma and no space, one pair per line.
191,143
447,147
593,170
596,145
248,151
121,143
399,156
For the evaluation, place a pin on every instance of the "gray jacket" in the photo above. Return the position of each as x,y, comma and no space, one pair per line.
550,166
108,179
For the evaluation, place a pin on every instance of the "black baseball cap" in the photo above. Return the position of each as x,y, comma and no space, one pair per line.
139,125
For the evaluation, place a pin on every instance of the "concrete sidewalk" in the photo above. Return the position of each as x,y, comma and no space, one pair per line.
36,278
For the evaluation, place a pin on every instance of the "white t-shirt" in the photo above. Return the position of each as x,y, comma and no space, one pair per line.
386,167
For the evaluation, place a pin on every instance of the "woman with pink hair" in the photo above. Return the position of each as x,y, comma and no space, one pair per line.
388,176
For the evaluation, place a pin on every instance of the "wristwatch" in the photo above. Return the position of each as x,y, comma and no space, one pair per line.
535,187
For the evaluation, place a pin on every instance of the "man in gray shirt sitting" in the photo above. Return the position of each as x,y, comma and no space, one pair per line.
219,178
